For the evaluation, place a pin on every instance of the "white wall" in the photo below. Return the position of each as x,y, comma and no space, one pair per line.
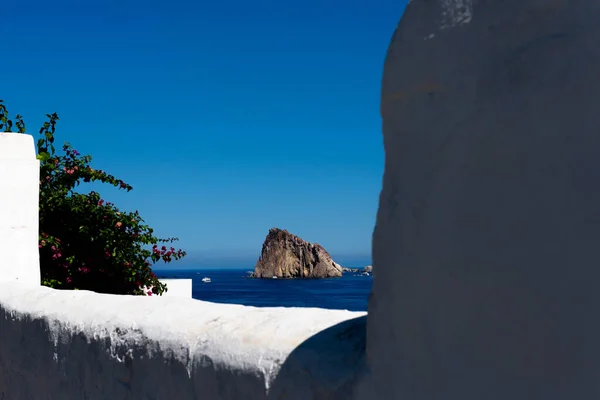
19,221
486,248
73,345
79,344
178,287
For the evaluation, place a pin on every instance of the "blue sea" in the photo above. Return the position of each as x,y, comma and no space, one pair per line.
349,292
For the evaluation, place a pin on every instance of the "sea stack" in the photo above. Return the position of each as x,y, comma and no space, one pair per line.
285,255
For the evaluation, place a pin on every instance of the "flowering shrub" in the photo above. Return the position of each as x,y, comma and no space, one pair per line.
86,242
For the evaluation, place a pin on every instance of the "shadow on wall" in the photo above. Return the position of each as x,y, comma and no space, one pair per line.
84,369
45,358
337,355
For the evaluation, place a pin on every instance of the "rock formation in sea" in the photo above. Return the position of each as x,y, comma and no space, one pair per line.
285,255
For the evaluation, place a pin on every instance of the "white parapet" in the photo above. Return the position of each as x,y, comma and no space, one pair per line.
178,287
58,344
19,209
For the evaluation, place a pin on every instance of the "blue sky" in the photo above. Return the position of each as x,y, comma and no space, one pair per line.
228,118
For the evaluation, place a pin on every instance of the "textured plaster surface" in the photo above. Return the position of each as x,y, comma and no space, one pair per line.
485,253
19,221
83,345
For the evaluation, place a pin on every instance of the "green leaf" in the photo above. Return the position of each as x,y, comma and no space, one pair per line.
43,156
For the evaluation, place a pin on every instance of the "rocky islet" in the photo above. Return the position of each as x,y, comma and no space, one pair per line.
285,255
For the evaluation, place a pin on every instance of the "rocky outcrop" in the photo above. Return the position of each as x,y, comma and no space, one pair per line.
287,256
368,268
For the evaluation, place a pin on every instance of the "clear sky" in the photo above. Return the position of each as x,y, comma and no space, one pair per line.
227,117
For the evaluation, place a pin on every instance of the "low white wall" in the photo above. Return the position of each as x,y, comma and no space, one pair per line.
19,205
84,345
178,287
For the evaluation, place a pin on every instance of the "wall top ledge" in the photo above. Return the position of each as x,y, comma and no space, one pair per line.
16,146
234,337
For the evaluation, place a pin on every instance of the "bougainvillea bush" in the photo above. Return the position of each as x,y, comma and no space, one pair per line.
86,242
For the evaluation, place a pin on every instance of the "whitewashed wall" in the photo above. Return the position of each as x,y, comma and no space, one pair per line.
178,287
19,221
73,345
486,247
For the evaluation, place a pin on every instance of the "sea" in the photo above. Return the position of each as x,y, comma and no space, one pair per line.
350,292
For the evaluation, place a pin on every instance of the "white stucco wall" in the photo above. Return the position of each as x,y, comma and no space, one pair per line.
74,345
178,287
485,252
19,221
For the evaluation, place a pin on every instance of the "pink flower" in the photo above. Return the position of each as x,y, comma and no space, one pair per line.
118,224
69,279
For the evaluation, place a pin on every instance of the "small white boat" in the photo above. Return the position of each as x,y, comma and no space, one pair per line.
206,280
274,277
